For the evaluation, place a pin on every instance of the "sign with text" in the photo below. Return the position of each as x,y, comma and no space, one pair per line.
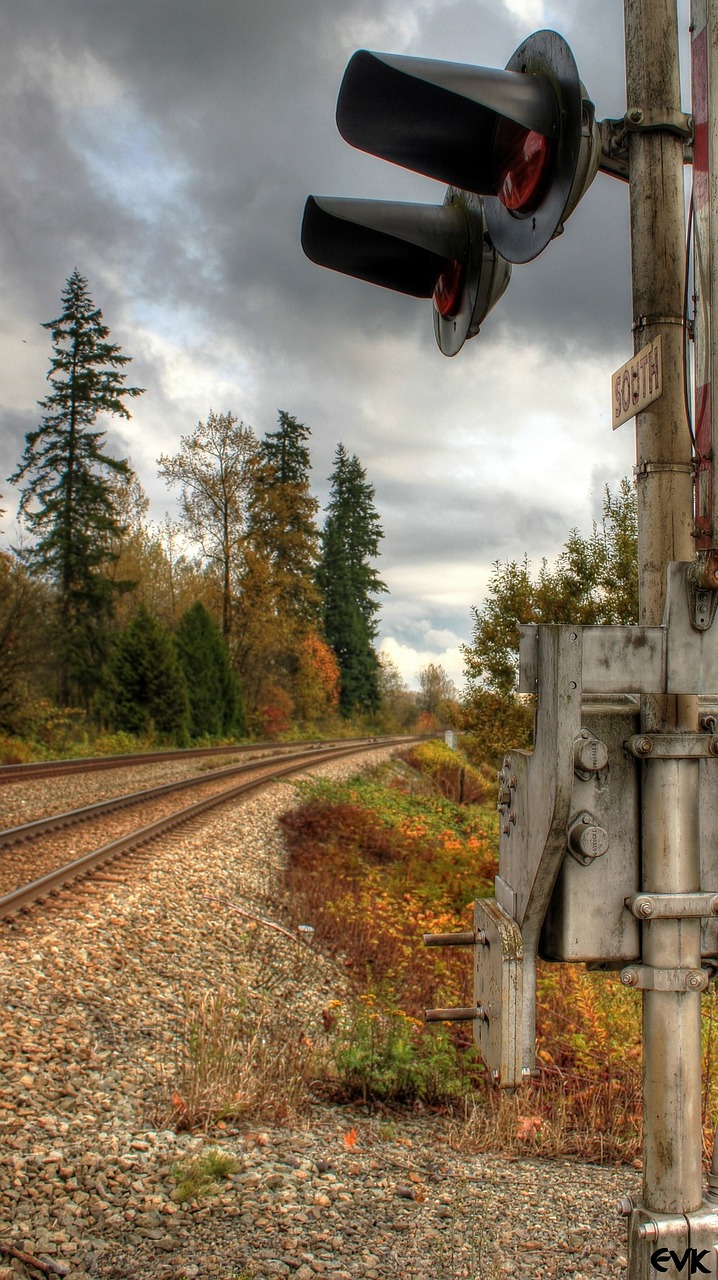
637,383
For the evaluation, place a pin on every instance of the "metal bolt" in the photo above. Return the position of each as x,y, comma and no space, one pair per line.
645,907
625,1206
713,746
714,905
695,981
648,1231
629,977
635,115
643,746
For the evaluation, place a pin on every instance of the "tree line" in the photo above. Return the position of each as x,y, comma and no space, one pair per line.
242,614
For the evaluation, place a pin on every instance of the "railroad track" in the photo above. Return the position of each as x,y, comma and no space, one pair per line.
94,764
29,869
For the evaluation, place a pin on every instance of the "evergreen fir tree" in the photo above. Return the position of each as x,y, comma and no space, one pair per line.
280,599
215,702
348,581
146,690
67,500
282,518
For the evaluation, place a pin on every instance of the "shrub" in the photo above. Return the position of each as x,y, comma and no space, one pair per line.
458,781
146,689
381,1054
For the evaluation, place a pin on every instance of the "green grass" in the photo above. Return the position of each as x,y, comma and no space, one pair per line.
201,1176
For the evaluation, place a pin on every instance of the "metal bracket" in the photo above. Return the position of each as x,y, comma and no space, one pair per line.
498,977
657,468
672,906
652,120
614,136
646,978
614,148
702,588
673,746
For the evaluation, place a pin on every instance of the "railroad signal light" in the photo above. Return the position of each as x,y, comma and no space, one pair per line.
525,138
518,147
440,252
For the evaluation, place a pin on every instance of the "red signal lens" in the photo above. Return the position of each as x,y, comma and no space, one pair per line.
524,166
449,289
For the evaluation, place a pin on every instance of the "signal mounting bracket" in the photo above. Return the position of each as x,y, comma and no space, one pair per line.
614,136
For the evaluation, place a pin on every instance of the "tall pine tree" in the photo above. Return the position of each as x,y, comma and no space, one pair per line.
282,518
349,582
280,602
67,499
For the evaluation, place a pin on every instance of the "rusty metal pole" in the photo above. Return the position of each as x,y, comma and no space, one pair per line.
672,1176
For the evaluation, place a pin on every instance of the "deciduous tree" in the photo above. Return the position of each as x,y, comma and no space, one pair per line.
594,580
214,468
24,642
436,689
398,701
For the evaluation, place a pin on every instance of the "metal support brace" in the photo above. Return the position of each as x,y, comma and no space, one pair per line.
673,906
645,977
673,746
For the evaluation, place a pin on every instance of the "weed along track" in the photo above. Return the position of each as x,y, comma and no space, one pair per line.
41,857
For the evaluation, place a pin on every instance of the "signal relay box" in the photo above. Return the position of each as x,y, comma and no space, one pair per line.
587,919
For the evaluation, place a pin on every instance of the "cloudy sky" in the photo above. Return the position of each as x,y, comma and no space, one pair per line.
165,148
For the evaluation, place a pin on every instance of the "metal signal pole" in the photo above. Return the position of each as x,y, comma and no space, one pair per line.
670,854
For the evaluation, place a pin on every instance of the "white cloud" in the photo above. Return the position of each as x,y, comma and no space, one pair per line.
529,11
410,661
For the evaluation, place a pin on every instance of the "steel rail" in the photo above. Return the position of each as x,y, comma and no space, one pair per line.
49,885
90,764
71,817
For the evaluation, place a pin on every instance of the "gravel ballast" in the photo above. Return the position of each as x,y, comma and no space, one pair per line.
94,1000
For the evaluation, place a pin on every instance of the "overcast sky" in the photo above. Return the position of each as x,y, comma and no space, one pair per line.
165,148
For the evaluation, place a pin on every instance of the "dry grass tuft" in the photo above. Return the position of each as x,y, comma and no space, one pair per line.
238,1059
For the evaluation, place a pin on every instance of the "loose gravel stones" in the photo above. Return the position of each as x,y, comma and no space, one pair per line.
93,1008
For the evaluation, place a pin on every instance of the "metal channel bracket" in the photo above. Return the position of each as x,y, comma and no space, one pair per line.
499,980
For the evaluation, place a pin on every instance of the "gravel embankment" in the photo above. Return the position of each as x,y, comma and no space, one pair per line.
92,1010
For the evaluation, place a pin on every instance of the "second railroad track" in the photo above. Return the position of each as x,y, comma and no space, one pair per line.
39,858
